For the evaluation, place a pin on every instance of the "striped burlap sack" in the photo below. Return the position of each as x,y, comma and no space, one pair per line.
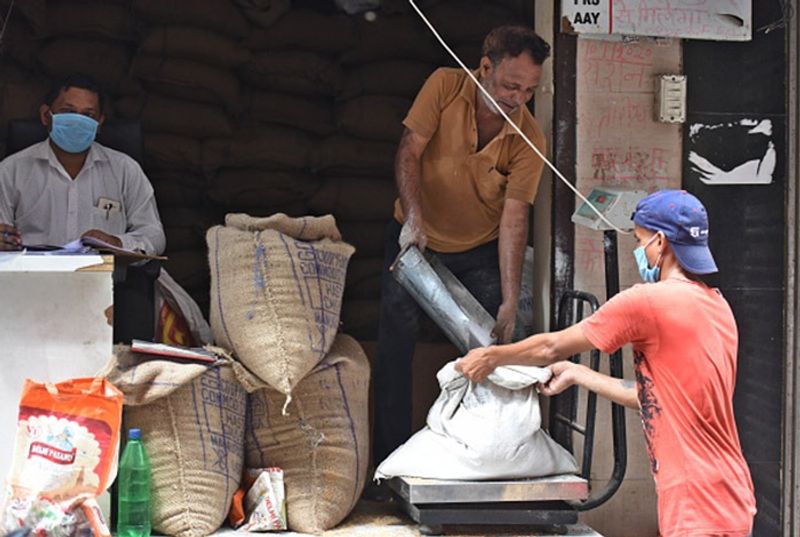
192,421
276,292
322,444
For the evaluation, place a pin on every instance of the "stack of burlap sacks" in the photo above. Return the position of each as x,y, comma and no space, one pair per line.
253,106
277,287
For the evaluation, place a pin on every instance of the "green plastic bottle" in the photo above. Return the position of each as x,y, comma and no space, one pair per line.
133,515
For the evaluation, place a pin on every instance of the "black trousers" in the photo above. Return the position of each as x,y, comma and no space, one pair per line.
479,270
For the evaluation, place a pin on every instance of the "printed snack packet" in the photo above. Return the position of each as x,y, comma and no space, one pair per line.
263,506
64,458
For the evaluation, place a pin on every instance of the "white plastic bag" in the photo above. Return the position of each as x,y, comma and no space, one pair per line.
482,431
265,502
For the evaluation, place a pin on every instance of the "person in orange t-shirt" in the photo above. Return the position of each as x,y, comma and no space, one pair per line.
466,181
685,341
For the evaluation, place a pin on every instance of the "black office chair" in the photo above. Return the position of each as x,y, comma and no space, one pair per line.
134,295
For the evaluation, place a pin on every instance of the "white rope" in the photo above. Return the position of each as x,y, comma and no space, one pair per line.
5,21
508,119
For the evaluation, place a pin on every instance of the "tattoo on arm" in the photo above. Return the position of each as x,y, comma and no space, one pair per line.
627,384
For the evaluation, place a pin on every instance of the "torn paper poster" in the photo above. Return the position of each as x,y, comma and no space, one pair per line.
739,152
723,20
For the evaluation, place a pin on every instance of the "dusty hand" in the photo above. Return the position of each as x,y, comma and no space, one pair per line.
412,234
103,236
476,365
565,374
506,319
10,238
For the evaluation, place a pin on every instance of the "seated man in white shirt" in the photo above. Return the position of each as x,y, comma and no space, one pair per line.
69,186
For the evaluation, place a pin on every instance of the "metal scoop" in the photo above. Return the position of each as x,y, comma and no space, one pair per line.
445,299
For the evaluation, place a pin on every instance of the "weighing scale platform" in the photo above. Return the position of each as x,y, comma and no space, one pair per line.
532,502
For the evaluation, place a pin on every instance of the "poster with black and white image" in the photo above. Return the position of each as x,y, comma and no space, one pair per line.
740,151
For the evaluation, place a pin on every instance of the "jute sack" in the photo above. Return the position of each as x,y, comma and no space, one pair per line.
181,238
322,444
296,209
308,114
398,78
175,116
360,318
364,279
33,11
263,13
194,44
268,146
469,52
171,193
355,198
105,60
19,42
447,18
93,18
306,29
221,16
172,152
188,267
374,117
192,420
342,154
188,79
253,188
366,235
305,73
276,292
393,38
20,98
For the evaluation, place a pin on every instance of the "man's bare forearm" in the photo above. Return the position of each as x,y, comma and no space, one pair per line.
540,349
511,247
407,169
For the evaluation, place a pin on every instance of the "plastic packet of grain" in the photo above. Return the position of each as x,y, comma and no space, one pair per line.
64,457
263,507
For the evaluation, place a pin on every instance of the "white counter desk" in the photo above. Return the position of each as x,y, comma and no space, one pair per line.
54,325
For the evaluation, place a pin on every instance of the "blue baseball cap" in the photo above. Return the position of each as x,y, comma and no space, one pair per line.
684,221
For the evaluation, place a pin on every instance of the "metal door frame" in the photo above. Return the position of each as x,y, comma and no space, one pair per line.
791,420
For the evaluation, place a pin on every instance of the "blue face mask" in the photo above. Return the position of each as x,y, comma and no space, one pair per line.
73,133
649,274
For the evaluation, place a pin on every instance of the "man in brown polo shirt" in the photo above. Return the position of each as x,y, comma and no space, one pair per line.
466,181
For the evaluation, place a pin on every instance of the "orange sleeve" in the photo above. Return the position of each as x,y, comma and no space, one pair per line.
626,318
525,167
423,117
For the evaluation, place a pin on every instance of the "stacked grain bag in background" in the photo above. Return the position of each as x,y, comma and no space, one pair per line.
186,63
289,84
92,37
265,167
383,73
253,106
392,58
21,94
22,86
277,287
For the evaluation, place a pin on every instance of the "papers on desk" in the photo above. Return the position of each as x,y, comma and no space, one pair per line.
106,248
195,354
86,245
